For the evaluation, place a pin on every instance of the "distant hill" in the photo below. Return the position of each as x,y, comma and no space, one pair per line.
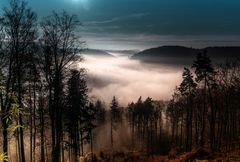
96,52
223,52
185,55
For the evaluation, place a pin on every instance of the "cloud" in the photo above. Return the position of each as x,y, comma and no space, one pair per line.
116,19
129,79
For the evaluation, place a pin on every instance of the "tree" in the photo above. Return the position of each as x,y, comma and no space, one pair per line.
2,37
205,74
187,89
148,112
114,117
76,112
19,23
131,119
60,44
41,111
90,124
175,115
101,112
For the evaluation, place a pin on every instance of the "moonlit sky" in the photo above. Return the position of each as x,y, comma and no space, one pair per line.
140,24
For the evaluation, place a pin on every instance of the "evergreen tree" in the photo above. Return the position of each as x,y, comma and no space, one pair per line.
187,88
76,111
114,117
205,75
101,112
90,124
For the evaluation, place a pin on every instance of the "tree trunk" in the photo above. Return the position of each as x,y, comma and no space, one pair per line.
203,115
42,152
111,132
21,140
31,124
91,145
5,139
132,133
81,137
34,121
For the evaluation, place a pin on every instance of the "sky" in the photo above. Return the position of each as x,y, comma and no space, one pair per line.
141,24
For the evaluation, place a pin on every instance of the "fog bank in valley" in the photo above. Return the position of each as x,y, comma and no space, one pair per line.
129,79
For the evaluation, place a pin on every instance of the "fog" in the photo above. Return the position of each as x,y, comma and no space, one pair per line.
129,79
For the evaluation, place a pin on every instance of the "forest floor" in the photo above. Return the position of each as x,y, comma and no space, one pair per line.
198,155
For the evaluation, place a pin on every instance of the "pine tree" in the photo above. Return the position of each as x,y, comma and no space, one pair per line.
75,112
114,117
187,88
205,74
101,112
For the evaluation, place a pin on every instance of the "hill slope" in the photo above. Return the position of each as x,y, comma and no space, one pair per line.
185,55
96,52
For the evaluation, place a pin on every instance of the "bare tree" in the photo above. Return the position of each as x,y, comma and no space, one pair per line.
19,24
60,43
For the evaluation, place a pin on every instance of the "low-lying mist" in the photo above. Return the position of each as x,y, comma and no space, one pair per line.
129,79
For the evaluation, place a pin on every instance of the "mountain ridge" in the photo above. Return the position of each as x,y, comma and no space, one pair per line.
96,52
185,55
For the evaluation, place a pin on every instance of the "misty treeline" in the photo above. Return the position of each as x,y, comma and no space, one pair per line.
204,110
202,113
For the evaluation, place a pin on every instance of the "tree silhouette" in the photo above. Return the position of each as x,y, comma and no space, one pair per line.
101,112
75,111
114,117
187,89
205,74
19,25
60,42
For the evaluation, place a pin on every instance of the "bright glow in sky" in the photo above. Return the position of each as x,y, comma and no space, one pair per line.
84,3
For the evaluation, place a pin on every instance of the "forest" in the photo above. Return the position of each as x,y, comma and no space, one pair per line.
47,115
